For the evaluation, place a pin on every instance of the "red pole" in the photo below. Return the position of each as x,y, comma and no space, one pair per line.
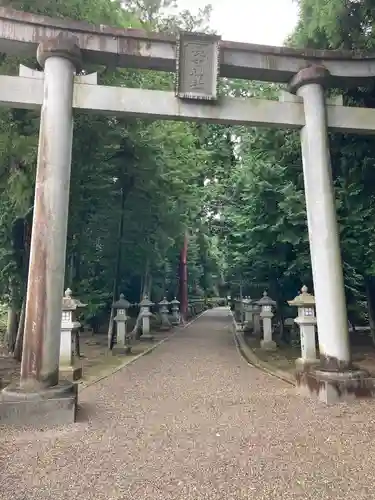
183,278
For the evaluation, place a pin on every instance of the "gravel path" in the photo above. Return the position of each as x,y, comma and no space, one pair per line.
192,421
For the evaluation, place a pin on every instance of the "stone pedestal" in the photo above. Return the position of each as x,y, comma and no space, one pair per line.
145,322
69,368
268,345
239,327
308,346
175,311
306,321
335,387
123,342
164,313
38,407
266,314
145,306
248,312
123,345
71,373
256,321
238,310
121,349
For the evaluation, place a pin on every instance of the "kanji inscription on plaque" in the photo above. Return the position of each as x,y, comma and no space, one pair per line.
197,66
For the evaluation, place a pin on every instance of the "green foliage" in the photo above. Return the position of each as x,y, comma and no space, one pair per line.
237,191
150,175
265,220
348,25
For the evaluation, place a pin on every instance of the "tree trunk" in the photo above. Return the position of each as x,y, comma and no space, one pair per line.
145,281
370,296
12,324
12,321
27,229
184,278
21,327
165,280
149,286
116,279
241,302
70,271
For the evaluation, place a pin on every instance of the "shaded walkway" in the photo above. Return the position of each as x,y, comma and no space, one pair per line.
193,421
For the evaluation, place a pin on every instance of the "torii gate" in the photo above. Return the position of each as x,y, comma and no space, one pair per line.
62,49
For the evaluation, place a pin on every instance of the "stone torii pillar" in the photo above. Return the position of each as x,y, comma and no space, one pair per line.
39,382
335,360
326,261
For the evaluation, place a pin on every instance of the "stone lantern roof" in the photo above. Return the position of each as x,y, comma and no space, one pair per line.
303,299
266,300
175,302
164,302
146,302
69,303
122,303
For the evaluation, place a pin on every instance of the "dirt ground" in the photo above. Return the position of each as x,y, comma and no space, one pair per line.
96,360
363,354
194,421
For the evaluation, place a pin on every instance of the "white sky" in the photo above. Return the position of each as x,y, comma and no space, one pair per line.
266,22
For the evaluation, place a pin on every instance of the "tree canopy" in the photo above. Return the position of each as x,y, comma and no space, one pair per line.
138,187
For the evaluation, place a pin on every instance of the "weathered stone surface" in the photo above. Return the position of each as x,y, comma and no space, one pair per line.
39,409
312,74
147,337
160,105
21,32
335,387
268,345
197,66
71,373
118,349
65,46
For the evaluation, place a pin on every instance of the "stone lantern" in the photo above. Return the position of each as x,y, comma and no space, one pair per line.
266,304
123,345
238,310
145,306
256,319
69,323
248,310
164,312
175,311
306,320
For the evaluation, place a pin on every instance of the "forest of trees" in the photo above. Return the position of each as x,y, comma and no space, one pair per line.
138,187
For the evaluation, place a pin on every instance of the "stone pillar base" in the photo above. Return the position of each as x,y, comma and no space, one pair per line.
147,337
268,345
165,328
335,387
71,373
121,349
41,408
303,364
